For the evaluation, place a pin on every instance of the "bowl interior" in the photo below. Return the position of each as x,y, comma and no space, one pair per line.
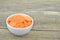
22,15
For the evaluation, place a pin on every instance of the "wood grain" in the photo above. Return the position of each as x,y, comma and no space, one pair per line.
48,19
43,20
46,15
34,35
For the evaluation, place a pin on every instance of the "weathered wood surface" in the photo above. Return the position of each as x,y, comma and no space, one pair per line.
32,35
46,15
43,20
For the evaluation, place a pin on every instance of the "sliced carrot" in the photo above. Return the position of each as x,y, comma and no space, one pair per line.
19,25
19,21
27,18
25,23
29,23
12,24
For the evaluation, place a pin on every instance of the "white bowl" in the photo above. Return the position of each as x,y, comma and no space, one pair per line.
19,31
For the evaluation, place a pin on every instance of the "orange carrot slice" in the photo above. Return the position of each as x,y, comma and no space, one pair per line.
19,21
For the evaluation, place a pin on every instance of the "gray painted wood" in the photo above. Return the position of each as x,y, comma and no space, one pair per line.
43,20
32,35
46,15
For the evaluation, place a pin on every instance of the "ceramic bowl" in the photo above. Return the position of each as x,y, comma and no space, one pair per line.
19,31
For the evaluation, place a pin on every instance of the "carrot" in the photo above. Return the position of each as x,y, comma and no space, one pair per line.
19,21
12,24
27,18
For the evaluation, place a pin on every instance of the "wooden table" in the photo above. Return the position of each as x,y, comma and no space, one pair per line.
46,17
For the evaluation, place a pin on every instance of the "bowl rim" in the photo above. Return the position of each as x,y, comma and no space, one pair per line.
19,14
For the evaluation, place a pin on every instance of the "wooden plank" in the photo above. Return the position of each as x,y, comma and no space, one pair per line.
42,20
21,5
47,20
32,35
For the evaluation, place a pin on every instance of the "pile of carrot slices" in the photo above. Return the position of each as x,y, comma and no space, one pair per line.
19,21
